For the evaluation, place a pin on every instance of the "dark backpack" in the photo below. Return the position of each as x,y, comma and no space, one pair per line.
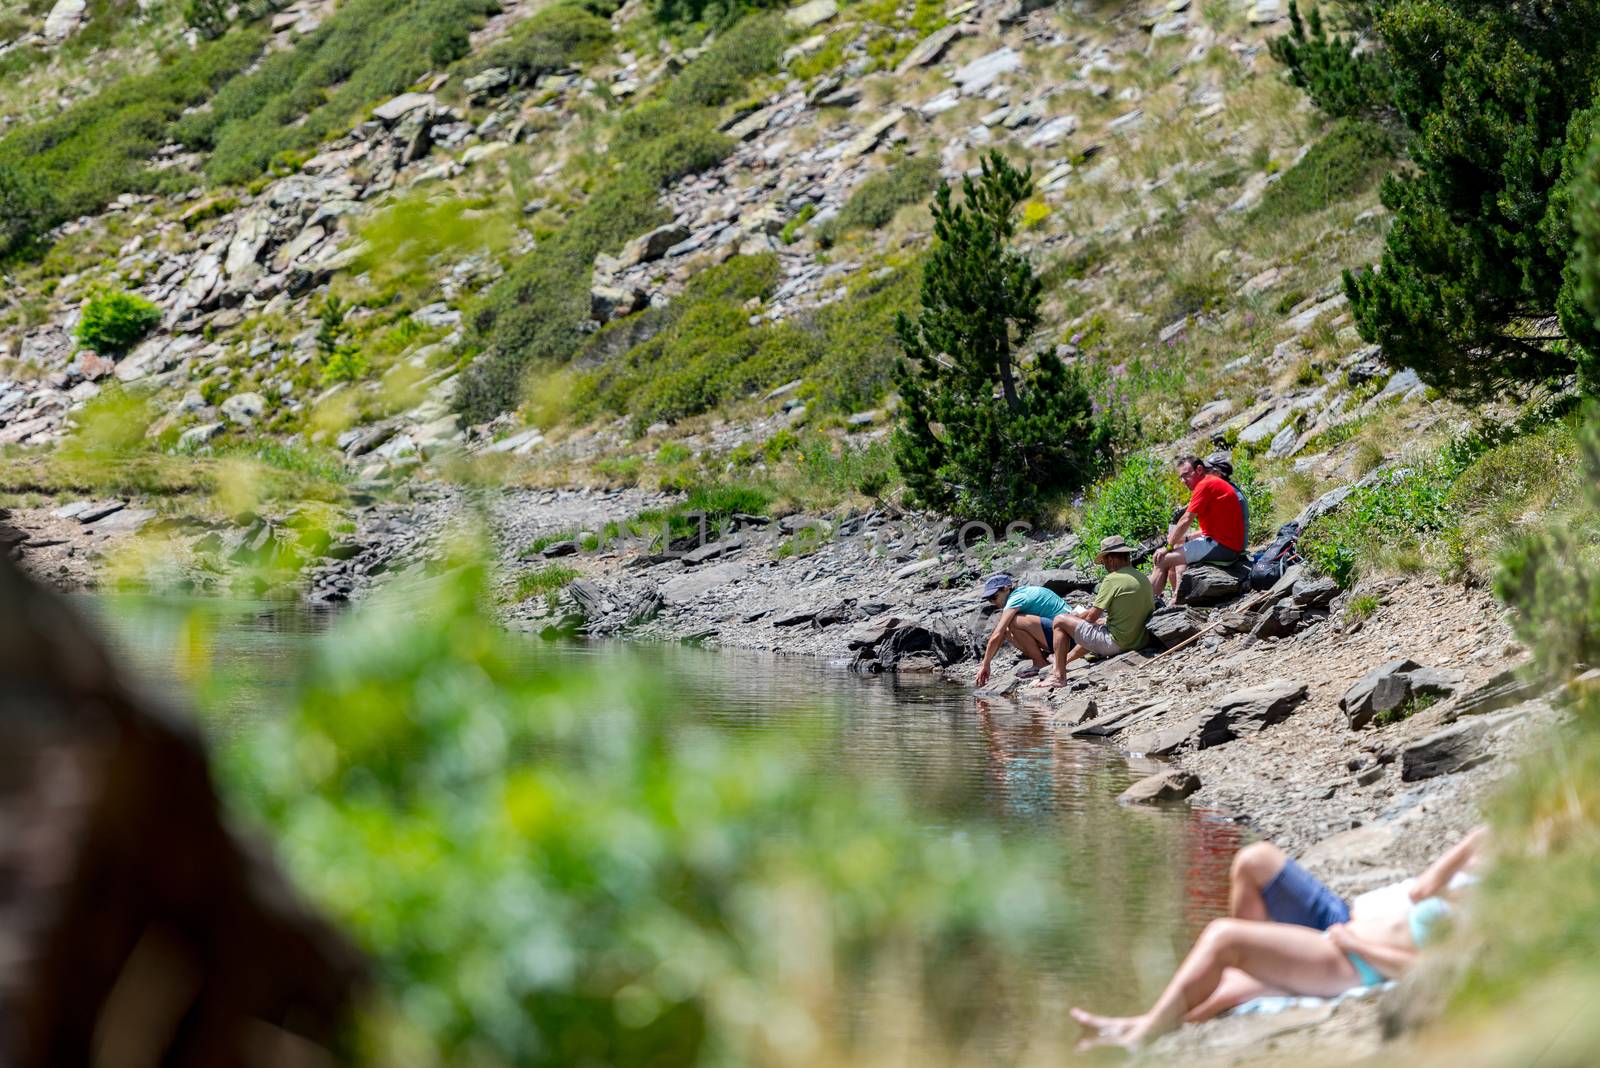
1268,565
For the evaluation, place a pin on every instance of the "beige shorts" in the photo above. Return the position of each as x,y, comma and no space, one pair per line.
1096,639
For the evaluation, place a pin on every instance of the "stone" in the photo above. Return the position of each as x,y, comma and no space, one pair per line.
1261,282
616,302
945,642
588,599
1175,625
652,246
871,633
711,551
248,240
1263,12
123,521
196,436
1052,132
1190,732
1075,710
93,512
488,82
399,107
982,72
1299,324
868,139
1317,592
752,124
690,588
1217,409
1456,748
1164,786
1279,620
438,315
557,549
1252,709
928,49
1126,122
1206,584
1264,428
64,19
1509,687
916,567
244,408
812,13
1382,689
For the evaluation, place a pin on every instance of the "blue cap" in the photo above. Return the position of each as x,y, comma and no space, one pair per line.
995,583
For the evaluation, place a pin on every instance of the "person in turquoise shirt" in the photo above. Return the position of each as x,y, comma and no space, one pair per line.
1026,616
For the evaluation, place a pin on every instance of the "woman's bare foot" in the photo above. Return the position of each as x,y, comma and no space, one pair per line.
1124,1031
1049,682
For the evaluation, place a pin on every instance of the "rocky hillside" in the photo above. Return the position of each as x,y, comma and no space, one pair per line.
275,272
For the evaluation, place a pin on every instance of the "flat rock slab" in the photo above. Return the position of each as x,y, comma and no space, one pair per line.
93,513
978,75
1252,709
1456,748
690,588
928,49
1164,786
123,521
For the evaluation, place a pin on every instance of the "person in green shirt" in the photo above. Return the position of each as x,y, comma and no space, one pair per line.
1123,604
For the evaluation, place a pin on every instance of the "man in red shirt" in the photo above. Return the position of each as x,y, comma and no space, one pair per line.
1221,540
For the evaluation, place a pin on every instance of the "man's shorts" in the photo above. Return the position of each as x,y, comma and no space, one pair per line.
1296,896
1096,638
1206,551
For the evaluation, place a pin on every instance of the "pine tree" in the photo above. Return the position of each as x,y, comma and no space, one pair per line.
978,435
1476,290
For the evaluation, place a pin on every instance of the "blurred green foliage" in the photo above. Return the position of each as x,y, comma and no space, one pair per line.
112,323
551,869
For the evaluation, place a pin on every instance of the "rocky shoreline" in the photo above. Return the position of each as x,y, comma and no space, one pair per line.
1271,709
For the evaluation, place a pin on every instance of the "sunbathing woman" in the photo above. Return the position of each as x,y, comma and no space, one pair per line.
1290,935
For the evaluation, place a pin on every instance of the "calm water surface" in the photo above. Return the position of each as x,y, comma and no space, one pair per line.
1154,877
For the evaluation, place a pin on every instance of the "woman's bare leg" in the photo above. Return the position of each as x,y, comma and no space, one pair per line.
1292,959
1234,990
1254,867
1027,634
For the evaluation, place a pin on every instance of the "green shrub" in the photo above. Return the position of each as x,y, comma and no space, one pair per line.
365,52
705,353
546,41
101,146
724,70
856,341
1257,491
1136,502
546,581
1348,159
714,13
27,208
875,201
112,323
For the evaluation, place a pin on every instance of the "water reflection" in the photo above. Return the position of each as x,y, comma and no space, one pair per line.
1154,876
